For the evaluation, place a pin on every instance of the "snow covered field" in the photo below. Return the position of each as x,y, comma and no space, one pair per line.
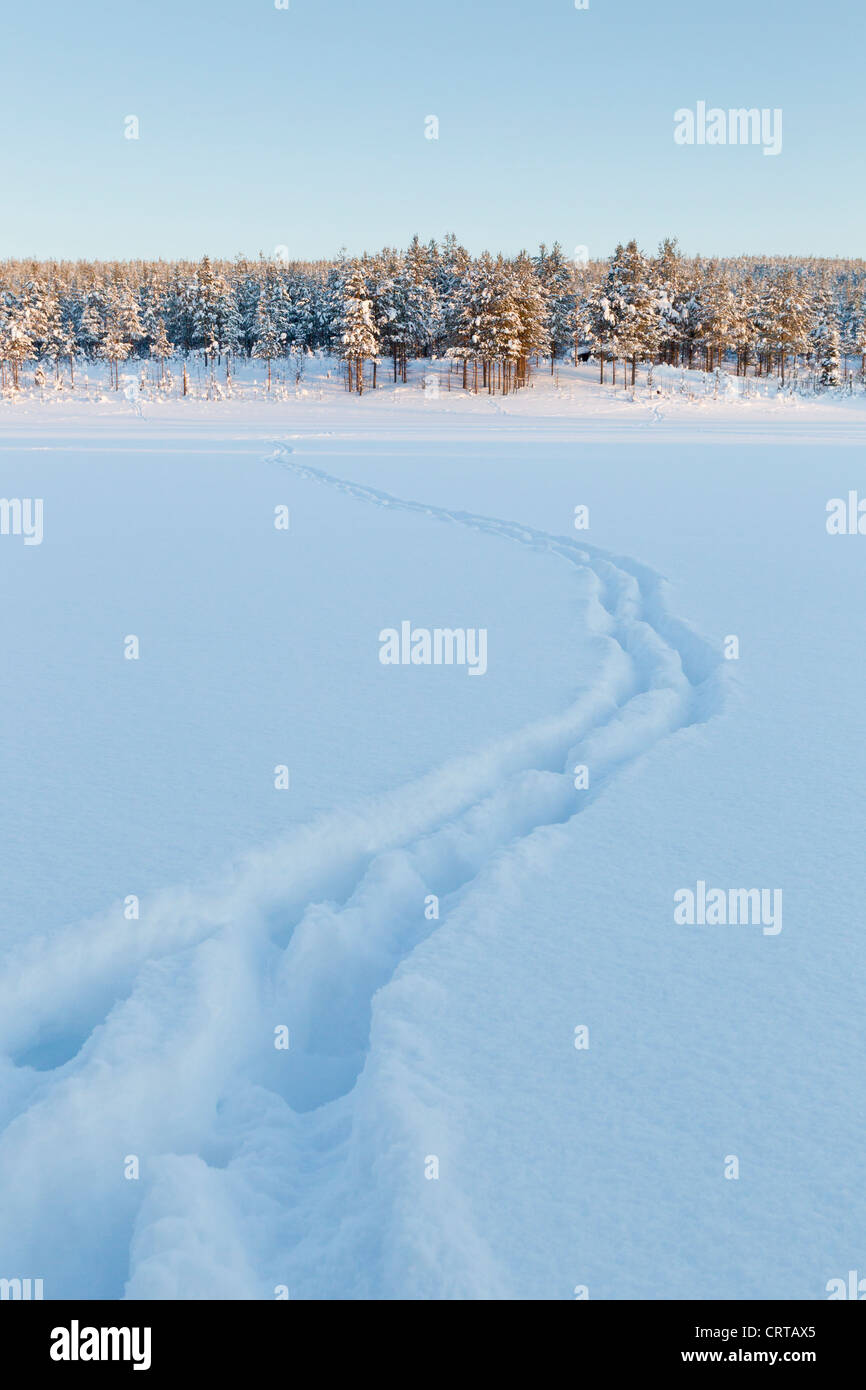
433,1129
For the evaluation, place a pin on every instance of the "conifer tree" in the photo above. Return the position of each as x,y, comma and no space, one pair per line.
160,347
668,277
357,337
532,305
555,277
270,340
744,331
828,354
640,325
718,315
16,343
619,310
787,317
214,318
690,317
91,331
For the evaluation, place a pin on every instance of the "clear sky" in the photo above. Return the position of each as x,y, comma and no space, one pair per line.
305,127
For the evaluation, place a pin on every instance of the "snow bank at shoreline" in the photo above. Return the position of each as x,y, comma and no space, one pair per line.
572,398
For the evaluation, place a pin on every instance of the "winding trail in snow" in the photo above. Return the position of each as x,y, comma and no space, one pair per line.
659,677
96,1020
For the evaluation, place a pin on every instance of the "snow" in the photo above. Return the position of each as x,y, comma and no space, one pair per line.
413,1038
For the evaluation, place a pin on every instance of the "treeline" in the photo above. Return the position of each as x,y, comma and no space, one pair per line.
494,317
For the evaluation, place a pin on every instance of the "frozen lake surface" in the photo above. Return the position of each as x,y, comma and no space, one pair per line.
432,1130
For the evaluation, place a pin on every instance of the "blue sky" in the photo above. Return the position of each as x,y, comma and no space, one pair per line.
305,127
